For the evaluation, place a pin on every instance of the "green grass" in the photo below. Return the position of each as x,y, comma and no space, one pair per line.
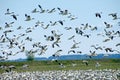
48,65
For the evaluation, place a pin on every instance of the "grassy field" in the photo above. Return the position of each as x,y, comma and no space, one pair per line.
52,65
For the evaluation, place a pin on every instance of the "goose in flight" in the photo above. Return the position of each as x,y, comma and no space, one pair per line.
37,44
53,23
108,50
28,18
106,40
20,27
118,44
46,27
8,12
63,12
97,48
35,11
7,25
51,11
49,38
79,31
68,28
75,45
38,23
111,50
57,53
61,22
55,43
73,51
14,16
8,31
94,28
114,15
98,14
87,35
108,25
42,10
71,37
43,49
28,38
93,53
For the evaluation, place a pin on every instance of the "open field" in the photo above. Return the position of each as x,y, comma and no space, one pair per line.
68,65
70,70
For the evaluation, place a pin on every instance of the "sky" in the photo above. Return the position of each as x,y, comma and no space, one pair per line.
84,10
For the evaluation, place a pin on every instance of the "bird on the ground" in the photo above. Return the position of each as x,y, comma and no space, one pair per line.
38,23
85,62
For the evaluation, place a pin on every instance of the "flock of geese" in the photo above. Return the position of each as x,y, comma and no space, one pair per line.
10,40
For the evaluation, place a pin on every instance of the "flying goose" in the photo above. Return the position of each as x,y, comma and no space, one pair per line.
7,25
41,9
73,51
28,18
98,14
118,44
8,12
108,25
63,12
97,48
57,53
43,49
51,11
71,37
35,11
68,28
114,15
49,38
14,16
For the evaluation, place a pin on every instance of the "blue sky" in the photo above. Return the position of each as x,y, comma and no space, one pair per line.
84,10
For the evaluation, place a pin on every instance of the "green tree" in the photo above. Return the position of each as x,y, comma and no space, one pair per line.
30,56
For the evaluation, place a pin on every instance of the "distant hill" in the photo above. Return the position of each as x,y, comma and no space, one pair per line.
76,57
